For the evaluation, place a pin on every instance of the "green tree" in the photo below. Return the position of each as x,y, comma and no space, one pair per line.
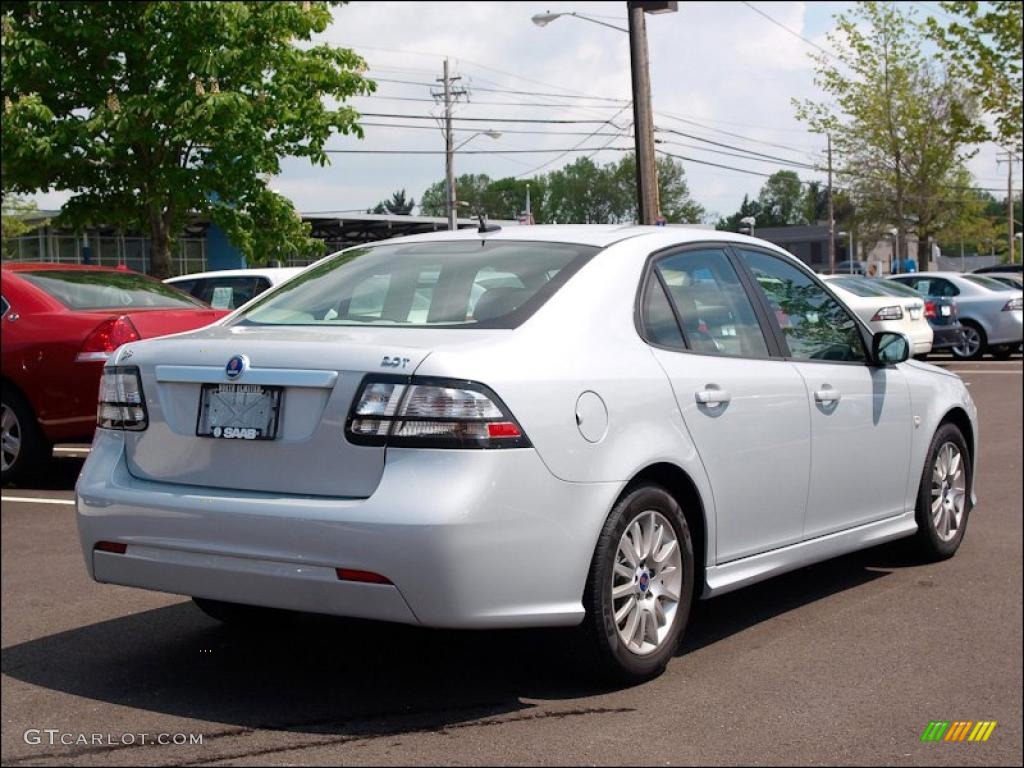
153,112
12,220
900,127
984,44
677,206
747,209
584,193
469,192
398,205
780,199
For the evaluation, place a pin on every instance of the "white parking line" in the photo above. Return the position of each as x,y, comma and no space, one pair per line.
35,500
68,449
975,370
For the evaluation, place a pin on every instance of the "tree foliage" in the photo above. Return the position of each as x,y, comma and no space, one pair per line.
152,112
901,127
398,205
12,219
984,44
582,192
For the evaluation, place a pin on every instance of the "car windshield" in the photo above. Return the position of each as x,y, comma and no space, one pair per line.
987,282
858,287
101,289
455,284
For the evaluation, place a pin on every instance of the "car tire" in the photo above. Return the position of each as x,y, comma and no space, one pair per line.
944,495
922,357
238,615
1002,352
974,342
26,452
633,625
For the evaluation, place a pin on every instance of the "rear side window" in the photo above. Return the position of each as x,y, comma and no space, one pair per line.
226,292
932,286
988,282
454,284
99,289
659,321
712,304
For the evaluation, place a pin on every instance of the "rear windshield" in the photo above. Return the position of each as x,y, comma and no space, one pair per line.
858,287
894,288
88,289
988,282
462,284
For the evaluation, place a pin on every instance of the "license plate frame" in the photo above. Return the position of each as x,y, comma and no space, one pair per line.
241,423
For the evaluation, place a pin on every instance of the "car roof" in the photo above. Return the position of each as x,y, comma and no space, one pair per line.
49,266
269,272
601,235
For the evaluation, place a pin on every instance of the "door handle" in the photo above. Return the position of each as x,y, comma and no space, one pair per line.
713,396
827,394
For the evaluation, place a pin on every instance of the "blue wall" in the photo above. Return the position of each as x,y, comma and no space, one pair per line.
220,253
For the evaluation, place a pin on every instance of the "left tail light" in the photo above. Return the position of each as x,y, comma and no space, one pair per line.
929,310
422,412
122,405
889,313
1014,304
105,338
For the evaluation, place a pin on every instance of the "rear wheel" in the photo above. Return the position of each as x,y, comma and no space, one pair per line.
640,586
944,496
24,451
972,346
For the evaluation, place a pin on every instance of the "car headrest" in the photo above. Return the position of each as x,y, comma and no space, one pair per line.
498,301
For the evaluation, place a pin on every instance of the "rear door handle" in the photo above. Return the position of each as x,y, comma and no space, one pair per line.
827,394
713,396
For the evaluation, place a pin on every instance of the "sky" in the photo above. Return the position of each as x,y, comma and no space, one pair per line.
720,72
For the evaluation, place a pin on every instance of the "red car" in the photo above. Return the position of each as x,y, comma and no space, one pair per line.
60,325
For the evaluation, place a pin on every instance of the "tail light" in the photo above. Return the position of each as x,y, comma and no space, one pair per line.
889,313
929,310
426,412
1014,304
105,338
121,403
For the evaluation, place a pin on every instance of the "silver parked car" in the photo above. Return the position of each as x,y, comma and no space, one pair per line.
991,312
537,426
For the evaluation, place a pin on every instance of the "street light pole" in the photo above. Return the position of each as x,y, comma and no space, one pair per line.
648,205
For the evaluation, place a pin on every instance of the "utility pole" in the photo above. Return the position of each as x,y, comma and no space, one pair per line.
831,215
1009,158
648,205
449,94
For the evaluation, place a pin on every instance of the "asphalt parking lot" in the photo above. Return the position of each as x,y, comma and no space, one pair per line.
844,662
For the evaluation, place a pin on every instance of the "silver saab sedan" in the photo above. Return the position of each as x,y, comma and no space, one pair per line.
535,426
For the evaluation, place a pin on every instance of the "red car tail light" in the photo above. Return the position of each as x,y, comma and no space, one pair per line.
929,310
105,338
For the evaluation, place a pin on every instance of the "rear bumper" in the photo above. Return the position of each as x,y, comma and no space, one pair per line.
467,538
947,336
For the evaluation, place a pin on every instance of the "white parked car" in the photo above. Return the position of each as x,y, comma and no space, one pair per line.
884,312
565,425
231,288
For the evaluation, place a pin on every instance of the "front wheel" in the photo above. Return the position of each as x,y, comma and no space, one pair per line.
944,496
972,345
24,450
640,587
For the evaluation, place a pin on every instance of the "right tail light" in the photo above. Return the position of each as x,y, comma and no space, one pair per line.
427,412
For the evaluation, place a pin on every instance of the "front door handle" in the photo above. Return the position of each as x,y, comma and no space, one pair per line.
713,396
827,394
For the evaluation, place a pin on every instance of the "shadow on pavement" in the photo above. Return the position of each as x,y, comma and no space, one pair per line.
61,474
334,676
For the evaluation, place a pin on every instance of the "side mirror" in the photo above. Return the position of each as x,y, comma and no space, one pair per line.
889,348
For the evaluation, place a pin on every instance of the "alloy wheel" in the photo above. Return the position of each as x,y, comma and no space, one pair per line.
10,438
646,583
949,491
971,342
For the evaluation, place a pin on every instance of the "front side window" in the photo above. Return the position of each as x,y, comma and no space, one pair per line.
711,303
464,284
815,325
4,306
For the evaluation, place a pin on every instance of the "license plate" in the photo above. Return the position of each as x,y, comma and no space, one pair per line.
946,311
915,313
238,411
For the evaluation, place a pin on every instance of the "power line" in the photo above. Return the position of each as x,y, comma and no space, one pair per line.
792,32
791,163
504,130
739,149
576,148
491,119
469,151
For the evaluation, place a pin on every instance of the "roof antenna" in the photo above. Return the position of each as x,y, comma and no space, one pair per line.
484,226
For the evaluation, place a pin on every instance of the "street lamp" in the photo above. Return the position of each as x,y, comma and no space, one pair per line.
849,255
648,207
450,175
749,222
